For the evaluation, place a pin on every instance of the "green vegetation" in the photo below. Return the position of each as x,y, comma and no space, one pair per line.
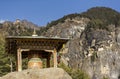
105,77
100,18
4,60
105,14
61,20
75,73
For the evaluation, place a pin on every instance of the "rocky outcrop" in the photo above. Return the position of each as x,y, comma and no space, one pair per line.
68,29
47,73
94,51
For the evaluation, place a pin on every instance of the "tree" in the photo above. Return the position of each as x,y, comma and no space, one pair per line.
4,59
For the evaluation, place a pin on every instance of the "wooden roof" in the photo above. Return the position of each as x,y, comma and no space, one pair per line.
34,43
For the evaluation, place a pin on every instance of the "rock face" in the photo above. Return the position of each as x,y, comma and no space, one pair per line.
48,73
68,29
94,51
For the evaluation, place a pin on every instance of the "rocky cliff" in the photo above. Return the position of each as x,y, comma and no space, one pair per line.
94,43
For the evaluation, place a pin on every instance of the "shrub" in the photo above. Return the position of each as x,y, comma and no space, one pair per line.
74,73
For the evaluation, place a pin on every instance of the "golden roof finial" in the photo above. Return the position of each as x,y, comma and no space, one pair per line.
34,33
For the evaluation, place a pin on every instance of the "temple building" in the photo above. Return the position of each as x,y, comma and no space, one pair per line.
34,48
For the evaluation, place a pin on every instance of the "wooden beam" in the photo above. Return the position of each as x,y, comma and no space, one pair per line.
49,51
25,50
55,58
19,60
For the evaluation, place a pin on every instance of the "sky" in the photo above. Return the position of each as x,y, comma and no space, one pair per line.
41,12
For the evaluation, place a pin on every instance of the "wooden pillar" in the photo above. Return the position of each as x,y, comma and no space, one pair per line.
19,60
55,58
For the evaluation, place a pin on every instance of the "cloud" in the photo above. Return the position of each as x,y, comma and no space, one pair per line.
2,21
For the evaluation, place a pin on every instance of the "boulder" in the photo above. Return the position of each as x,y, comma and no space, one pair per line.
47,73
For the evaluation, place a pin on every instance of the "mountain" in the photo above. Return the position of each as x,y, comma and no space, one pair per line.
18,28
94,45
